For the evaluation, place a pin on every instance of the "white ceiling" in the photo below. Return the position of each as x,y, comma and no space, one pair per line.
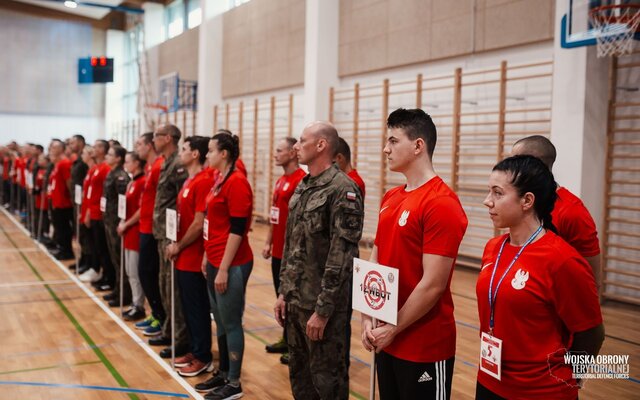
82,10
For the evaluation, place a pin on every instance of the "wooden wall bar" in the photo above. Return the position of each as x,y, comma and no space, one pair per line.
478,115
621,232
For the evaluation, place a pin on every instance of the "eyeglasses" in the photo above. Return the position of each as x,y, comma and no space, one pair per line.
155,135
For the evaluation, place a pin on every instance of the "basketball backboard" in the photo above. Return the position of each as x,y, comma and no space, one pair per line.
577,30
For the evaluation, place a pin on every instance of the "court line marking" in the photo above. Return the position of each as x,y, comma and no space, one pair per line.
114,317
17,371
20,249
105,361
190,389
34,283
130,391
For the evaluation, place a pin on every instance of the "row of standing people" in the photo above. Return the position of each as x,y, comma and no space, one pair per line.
316,223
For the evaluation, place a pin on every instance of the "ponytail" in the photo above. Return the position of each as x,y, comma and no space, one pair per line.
225,140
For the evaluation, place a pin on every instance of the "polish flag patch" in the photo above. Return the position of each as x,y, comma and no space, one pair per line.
351,196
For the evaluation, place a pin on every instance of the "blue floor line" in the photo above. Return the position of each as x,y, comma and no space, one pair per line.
103,388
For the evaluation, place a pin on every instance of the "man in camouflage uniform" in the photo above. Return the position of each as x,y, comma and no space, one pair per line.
115,184
323,230
166,139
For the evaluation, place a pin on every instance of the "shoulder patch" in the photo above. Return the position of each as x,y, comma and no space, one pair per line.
180,170
351,196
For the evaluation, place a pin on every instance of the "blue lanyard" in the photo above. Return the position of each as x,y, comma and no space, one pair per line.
492,296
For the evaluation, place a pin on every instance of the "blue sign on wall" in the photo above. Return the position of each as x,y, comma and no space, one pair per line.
95,70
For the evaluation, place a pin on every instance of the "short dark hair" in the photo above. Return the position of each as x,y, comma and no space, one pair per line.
539,146
416,124
104,144
344,149
79,137
63,144
199,144
39,147
291,141
147,137
173,131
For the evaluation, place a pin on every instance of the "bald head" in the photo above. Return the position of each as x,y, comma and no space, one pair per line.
536,146
325,130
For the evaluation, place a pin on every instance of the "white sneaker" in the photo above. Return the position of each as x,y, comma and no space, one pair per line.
90,275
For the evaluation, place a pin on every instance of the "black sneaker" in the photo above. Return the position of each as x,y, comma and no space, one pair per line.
284,359
111,296
226,392
215,381
278,347
134,314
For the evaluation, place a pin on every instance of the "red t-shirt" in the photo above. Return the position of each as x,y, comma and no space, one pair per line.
18,169
241,167
6,166
40,199
148,198
235,199
84,206
426,220
283,191
559,298
574,223
58,190
358,180
192,199
94,191
134,192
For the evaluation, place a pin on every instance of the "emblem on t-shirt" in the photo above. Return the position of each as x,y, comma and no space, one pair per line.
285,187
521,278
403,218
185,193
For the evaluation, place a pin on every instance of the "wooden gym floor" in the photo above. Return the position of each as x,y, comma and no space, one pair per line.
58,339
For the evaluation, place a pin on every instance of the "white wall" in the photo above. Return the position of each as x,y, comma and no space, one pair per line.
40,129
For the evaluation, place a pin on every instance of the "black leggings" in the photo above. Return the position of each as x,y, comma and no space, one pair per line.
101,255
149,272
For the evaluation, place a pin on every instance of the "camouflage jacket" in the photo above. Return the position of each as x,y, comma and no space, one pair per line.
323,230
172,176
114,184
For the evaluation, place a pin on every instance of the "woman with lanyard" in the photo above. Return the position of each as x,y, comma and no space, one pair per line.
537,296
228,261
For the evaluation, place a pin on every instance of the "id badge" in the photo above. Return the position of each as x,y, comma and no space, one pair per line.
275,215
491,355
103,203
205,229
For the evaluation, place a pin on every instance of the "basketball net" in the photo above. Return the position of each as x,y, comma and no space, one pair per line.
615,27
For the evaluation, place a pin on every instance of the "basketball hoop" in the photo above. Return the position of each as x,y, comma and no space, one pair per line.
157,106
615,27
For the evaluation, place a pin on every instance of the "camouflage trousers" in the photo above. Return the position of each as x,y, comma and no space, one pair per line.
115,249
165,293
317,369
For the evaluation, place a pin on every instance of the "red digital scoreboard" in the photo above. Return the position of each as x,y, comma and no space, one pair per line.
95,70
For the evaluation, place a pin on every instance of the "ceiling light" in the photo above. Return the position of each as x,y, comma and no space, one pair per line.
70,4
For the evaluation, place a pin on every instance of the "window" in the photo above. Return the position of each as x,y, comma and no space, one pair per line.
194,14
174,19
132,45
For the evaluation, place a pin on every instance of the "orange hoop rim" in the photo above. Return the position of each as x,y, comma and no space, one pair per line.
613,19
158,106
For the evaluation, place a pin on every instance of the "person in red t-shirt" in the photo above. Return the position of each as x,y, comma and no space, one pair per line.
420,227
571,218
536,296
91,261
228,258
6,181
129,229
287,158
187,253
61,205
343,159
149,263
93,218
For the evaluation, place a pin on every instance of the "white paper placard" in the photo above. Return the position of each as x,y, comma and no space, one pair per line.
122,206
172,225
103,204
78,195
375,290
